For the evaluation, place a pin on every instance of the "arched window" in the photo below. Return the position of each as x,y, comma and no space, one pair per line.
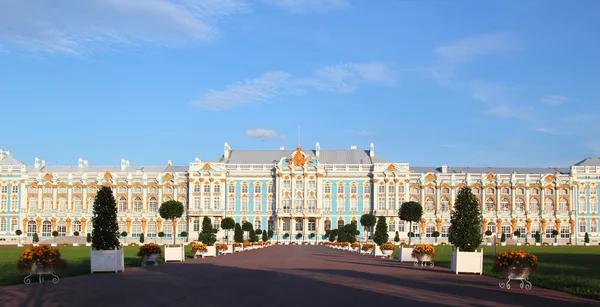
47,203
564,205
490,204
594,226
299,224
327,204
136,229
445,204
137,206
257,203
245,204
340,224
520,205
46,228
152,205
231,204
76,226
167,228
61,227
520,191
31,228
77,204
445,227
522,230
549,205
582,227
257,224
354,204
312,204
534,206
182,226
122,204
490,191
505,191
504,203
507,230
298,203
151,229
327,225
33,203
491,226
429,229
445,191
62,205
122,226
287,203
429,205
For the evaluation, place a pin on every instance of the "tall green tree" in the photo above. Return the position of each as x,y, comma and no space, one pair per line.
381,231
227,224
247,227
238,234
264,236
171,210
367,220
105,232
207,235
465,222
411,211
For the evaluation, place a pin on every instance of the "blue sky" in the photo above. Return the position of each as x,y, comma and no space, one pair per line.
477,83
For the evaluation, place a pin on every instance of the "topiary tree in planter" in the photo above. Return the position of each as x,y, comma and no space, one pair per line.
171,210
586,239
311,235
207,235
381,235
465,222
368,221
142,239
538,237
503,238
555,235
286,235
88,238
227,224
18,232
161,235
35,238
55,234
258,231
397,237
270,233
247,227
76,233
517,234
298,236
332,235
238,234
411,211
436,235
124,235
184,235
265,237
105,232
488,233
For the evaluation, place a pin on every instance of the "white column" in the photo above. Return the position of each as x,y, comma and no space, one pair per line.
129,198
69,198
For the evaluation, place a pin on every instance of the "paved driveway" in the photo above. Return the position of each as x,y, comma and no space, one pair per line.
282,276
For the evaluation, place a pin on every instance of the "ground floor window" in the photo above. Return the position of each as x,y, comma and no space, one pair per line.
429,229
507,230
522,231
491,226
286,224
549,230
151,229
61,228
136,229
196,225
565,231
46,229
392,226
31,228
445,227
270,225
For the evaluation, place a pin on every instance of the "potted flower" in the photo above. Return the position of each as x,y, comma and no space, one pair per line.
221,248
149,252
367,248
515,265
198,249
387,249
423,253
355,246
41,260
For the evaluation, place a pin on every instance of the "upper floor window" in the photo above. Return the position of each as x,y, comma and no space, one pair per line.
549,192
391,189
366,188
245,189
582,190
340,189
62,190
430,191
414,191
476,191
445,191
490,191
312,184
593,190
15,189
217,188
122,190
401,189
270,189
327,189
564,191
505,191
381,189
4,189
231,189
520,191
182,190
196,188
353,189
535,192
207,188
257,189
287,184
299,184
33,190
168,190
137,190
77,189
92,190
152,190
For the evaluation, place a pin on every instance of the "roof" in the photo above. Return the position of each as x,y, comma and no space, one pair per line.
495,170
351,156
589,161
112,169
8,160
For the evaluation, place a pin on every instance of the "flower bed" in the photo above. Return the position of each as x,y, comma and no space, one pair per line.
367,246
40,258
515,260
388,246
198,247
221,247
149,249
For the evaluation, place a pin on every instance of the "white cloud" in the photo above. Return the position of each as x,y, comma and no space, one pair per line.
466,49
261,134
543,130
365,133
509,111
553,99
75,26
246,92
306,6
343,78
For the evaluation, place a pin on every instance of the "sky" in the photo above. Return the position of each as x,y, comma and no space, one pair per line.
430,82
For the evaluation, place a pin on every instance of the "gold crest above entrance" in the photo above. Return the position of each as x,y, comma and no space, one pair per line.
299,159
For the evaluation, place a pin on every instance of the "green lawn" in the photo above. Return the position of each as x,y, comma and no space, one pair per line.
78,262
572,269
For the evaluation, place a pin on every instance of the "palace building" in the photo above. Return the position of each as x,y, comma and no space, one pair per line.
298,191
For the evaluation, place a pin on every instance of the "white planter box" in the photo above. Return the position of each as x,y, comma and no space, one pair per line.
75,244
405,254
554,244
518,243
53,244
19,245
88,244
538,244
502,243
467,262
211,251
488,243
229,249
435,244
175,253
107,260
378,252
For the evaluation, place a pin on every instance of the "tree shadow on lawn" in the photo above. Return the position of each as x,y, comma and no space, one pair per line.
204,284
478,291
